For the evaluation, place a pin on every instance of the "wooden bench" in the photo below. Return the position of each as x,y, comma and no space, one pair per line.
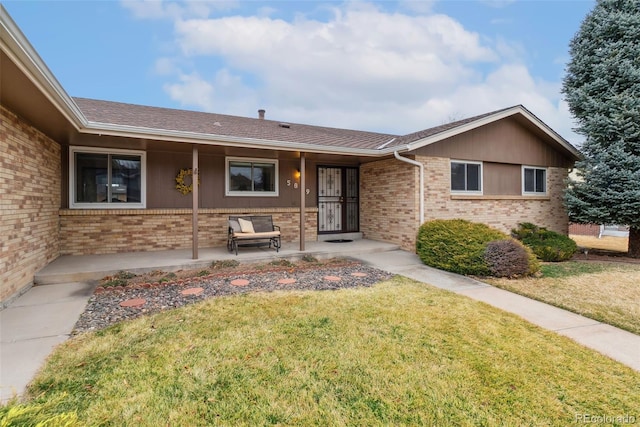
252,230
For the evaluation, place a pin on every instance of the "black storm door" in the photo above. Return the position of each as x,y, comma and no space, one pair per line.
338,202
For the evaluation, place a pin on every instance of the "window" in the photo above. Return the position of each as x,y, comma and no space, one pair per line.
251,177
534,180
466,177
100,178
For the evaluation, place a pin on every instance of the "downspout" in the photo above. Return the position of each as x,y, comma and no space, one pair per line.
421,166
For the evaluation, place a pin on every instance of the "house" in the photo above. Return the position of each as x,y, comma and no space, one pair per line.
595,230
598,230
83,176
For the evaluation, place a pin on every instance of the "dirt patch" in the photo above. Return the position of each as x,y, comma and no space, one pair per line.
604,255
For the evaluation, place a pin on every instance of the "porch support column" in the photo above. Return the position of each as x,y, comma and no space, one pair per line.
303,186
194,202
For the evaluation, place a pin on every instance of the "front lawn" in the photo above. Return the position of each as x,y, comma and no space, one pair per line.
608,243
605,291
400,353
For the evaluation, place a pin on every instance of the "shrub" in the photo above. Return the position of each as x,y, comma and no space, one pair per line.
309,258
510,258
121,278
456,245
168,278
281,263
546,244
227,263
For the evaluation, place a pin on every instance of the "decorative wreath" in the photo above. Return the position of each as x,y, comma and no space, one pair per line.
183,188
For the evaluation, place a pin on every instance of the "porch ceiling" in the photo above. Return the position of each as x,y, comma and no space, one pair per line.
21,96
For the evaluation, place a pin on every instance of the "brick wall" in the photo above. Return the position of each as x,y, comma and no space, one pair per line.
389,203
114,231
30,194
501,212
584,229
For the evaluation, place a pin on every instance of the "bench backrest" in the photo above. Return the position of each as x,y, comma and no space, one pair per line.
261,223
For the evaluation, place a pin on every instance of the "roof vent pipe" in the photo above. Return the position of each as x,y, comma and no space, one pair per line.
421,167
261,114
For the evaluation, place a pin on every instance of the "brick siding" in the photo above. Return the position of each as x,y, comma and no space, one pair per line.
584,229
30,192
115,231
501,212
390,204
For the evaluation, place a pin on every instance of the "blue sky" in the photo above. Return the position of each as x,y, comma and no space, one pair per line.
389,66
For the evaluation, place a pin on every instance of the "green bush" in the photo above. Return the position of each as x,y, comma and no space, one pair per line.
456,245
510,258
546,244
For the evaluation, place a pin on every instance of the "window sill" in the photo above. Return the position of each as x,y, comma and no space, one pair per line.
497,197
181,211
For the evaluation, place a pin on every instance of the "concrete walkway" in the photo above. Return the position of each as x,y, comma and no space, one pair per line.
32,326
45,315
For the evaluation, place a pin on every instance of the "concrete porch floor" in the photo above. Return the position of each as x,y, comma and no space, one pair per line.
83,268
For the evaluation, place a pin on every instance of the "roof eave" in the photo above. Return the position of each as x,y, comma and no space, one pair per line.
96,128
17,47
518,109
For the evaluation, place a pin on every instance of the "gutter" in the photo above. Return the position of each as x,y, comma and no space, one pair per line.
421,166
96,128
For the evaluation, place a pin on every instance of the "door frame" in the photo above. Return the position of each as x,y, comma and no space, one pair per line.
345,199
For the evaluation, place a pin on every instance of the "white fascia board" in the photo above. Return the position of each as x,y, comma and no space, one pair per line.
519,109
546,129
224,140
16,46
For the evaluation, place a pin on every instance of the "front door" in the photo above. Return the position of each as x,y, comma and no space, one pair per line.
338,201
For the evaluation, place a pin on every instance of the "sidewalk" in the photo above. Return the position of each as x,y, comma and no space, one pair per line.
32,326
45,315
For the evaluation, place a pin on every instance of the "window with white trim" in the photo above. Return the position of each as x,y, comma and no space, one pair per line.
107,179
251,177
534,180
466,177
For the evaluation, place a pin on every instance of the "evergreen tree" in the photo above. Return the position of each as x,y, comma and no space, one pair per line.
602,88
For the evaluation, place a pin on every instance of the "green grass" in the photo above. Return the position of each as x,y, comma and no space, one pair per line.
400,353
607,292
571,268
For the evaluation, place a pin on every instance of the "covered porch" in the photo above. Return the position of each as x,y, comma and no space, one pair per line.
82,268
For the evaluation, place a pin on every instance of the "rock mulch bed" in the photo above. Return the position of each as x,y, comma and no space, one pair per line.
114,304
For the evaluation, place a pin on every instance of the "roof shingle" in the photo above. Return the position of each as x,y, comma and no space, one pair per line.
116,113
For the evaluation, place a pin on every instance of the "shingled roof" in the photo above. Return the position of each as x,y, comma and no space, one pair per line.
139,116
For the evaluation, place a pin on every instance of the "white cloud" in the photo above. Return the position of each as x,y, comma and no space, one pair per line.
166,66
161,9
192,90
223,93
362,68
342,60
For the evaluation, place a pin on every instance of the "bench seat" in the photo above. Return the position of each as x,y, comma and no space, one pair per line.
261,231
246,236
